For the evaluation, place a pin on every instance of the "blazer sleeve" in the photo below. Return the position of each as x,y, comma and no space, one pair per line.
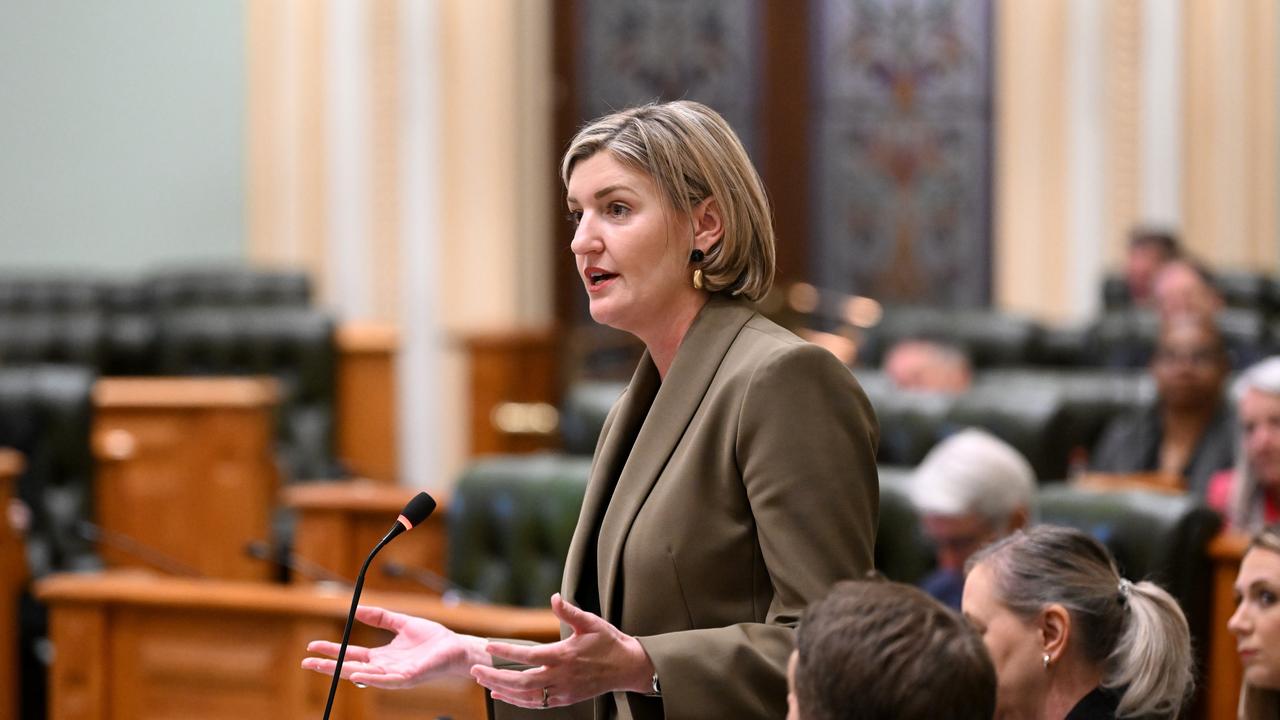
805,447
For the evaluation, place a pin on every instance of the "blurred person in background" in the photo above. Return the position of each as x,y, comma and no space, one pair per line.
1070,637
1189,430
880,650
970,490
1149,249
1256,625
1248,495
1185,287
928,365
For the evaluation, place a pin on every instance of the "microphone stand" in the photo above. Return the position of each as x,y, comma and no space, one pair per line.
415,512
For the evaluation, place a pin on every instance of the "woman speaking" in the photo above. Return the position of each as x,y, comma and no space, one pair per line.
734,481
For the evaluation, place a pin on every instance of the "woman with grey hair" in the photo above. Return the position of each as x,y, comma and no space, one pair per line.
1248,495
1069,636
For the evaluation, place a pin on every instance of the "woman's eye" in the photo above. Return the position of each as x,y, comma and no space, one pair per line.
618,210
1266,598
574,217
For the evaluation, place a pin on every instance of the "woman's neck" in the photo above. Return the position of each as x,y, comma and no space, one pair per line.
663,341
1070,683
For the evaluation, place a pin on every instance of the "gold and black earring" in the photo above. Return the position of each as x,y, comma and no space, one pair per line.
697,257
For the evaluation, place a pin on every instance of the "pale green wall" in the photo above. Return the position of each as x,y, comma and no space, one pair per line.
121,133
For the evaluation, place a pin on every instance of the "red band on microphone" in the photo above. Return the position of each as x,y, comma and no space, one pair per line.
405,522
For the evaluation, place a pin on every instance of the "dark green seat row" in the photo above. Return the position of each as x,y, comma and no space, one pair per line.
1119,338
511,519
1051,416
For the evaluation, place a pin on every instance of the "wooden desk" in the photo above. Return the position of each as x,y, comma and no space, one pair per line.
140,647
13,575
186,466
366,399
339,523
1224,674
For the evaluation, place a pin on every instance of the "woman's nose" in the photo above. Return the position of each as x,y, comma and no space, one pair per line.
585,237
1239,622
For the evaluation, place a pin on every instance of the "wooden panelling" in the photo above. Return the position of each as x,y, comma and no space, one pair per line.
129,646
366,397
339,523
516,367
185,466
1224,674
13,574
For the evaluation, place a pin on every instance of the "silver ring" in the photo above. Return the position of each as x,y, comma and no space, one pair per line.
359,685
545,692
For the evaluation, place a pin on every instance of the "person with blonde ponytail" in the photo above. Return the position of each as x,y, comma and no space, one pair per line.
1071,638
1256,625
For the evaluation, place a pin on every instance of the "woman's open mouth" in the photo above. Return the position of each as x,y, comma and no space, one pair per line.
597,279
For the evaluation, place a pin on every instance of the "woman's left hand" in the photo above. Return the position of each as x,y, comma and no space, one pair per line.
597,658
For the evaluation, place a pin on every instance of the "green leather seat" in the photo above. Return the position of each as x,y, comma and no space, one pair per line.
902,551
46,413
1153,536
510,522
991,338
294,345
582,417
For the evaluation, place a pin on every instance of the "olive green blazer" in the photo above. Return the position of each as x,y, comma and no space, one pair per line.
749,490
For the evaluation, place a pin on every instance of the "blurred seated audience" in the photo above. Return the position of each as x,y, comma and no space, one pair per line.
1256,625
1185,287
928,365
970,490
1248,496
1149,249
1189,430
880,650
1070,637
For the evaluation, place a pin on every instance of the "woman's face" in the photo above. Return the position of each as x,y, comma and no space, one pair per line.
632,250
1260,423
1014,644
1188,366
1256,622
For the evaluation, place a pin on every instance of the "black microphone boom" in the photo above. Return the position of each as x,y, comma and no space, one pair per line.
413,514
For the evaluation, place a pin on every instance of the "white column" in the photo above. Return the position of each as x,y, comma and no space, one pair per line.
347,130
420,371
1086,163
1161,119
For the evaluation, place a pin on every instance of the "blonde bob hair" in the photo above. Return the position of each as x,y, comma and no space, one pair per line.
692,154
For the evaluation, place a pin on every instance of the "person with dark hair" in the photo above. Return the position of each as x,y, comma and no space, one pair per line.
1149,249
1190,430
1072,638
880,650
1256,625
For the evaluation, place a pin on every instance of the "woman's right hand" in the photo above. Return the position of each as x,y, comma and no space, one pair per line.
422,650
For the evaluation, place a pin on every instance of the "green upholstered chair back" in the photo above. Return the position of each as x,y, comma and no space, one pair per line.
902,553
510,522
46,413
1153,536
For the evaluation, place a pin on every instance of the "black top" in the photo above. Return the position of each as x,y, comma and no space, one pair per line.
1099,704
1131,443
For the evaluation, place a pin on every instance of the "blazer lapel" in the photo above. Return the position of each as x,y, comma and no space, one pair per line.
678,398
626,418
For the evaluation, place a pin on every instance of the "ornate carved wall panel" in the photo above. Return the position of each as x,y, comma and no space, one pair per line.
901,161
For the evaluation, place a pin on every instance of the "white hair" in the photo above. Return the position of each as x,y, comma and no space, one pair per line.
1244,508
974,471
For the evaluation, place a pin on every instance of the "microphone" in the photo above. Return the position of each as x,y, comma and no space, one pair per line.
294,563
413,514
450,592
120,542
